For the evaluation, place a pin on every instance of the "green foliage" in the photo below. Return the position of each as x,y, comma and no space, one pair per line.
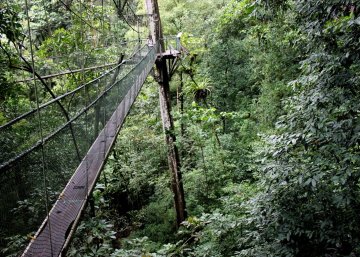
10,26
157,219
10,32
12,245
95,237
190,16
310,172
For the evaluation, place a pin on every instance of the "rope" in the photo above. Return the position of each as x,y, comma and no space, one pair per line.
128,23
39,124
103,30
83,58
87,139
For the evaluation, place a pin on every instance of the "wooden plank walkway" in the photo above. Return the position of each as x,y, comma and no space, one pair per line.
55,232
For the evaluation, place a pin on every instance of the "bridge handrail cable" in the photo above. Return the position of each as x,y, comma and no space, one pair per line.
23,116
6,165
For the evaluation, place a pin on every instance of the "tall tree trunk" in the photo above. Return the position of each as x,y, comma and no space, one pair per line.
173,154
165,109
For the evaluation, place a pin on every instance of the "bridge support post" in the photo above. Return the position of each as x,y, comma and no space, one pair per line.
165,109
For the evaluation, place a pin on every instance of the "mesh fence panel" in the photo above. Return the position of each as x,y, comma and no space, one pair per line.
22,197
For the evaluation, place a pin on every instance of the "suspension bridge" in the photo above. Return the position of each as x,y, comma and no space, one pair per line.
52,155
65,153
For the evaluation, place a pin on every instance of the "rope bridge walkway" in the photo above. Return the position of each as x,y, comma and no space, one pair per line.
74,131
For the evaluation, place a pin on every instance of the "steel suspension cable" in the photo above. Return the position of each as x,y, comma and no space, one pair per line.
83,58
39,123
103,30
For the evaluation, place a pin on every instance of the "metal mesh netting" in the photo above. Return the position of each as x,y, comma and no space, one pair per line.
40,150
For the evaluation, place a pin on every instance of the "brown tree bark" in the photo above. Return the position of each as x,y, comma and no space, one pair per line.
165,109
173,153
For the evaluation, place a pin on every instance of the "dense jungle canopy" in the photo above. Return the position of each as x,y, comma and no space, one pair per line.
265,105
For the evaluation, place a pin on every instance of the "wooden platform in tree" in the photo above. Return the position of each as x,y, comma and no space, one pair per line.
170,54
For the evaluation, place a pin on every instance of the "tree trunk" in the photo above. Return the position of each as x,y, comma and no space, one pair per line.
173,154
165,109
